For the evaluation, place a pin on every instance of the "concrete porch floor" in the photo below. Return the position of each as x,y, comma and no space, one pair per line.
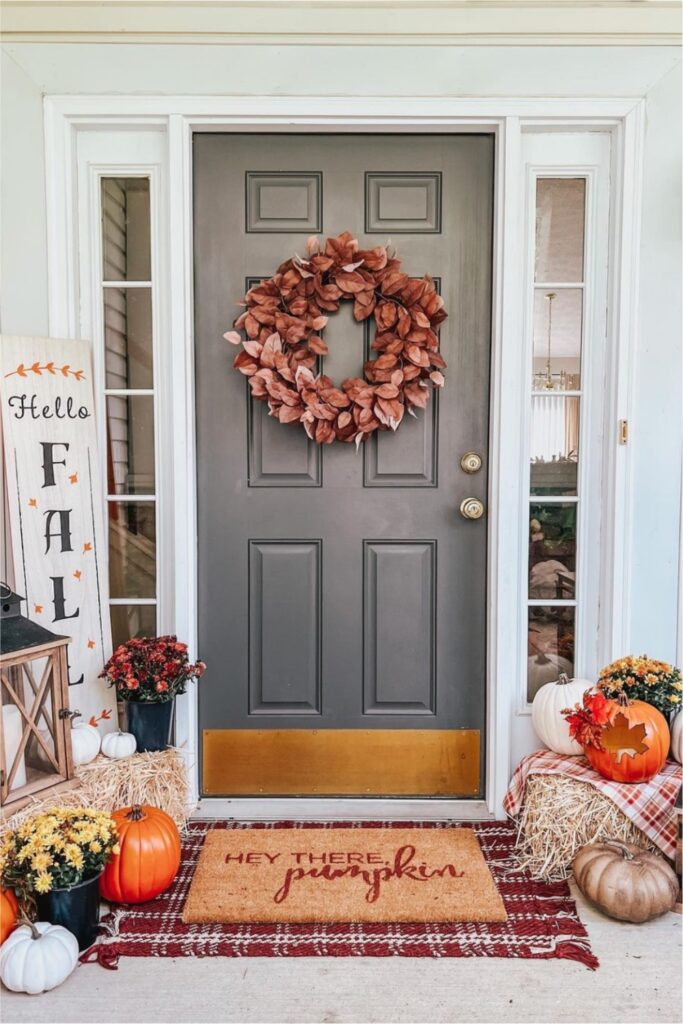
639,980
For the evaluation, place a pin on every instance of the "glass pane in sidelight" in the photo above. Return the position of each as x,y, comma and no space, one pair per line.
131,620
557,339
554,444
550,646
128,337
560,205
130,448
125,229
132,549
552,551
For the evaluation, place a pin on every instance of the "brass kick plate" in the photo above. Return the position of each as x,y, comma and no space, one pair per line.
341,762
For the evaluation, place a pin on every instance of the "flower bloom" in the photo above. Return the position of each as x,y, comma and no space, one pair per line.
43,882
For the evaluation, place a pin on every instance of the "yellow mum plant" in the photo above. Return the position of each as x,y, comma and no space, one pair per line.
56,850
643,678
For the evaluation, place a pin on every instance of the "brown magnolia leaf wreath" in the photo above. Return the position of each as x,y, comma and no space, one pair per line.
282,321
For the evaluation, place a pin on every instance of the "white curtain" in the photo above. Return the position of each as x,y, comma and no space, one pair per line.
548,427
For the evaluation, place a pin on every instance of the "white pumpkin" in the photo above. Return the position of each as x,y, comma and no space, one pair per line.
119,744
85,743
546,712
677,737
37,957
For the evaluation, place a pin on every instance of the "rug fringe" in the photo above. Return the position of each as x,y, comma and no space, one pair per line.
580,951
101,952
568,949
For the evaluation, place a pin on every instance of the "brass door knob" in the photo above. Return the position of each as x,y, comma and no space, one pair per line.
471,508
471,462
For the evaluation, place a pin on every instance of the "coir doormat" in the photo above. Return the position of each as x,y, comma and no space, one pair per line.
542,923
343,874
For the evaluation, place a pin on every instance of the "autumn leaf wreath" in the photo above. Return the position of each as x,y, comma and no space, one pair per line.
284,315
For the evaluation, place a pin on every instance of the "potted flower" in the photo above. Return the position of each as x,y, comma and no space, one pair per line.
643,678
53,862
149,673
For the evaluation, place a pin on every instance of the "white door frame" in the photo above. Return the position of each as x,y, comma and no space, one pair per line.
179,117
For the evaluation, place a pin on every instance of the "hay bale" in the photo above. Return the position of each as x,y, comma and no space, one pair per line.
560,815
159,779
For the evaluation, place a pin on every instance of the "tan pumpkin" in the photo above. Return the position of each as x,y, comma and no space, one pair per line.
625,881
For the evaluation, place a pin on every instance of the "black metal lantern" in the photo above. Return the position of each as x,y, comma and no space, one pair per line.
35,740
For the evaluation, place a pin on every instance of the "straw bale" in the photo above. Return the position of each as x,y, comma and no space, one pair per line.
158,779
560,815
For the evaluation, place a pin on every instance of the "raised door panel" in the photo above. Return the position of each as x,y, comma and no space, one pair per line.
277,457
284,627
399,628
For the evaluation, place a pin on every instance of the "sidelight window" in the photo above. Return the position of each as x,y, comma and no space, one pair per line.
557,328
127,306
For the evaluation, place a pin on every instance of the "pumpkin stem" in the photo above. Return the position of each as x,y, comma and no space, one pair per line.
23,919
621,847
563,679
135,813
622,700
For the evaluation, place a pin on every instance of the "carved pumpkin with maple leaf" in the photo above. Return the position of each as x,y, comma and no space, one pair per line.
625,741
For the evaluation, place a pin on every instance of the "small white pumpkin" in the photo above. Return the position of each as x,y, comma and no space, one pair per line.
546,712
119,744
677,737
37,957
85,742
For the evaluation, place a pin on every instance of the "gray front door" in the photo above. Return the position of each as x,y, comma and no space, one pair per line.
342,595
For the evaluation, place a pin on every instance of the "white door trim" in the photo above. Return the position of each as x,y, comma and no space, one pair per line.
179,117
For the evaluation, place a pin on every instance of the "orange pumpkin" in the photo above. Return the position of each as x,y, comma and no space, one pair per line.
9,908
636,742
149,857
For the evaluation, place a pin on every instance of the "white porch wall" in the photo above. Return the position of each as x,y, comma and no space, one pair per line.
31,70
656,423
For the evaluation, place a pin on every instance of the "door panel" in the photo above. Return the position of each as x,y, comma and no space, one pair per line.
284,628
399,668
342,590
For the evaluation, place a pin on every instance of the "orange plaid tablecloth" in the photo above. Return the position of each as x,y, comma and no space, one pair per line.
649,805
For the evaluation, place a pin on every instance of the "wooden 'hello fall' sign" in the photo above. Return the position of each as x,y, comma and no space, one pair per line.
56,506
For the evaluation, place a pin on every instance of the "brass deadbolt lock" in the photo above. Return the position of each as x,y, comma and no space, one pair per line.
471,462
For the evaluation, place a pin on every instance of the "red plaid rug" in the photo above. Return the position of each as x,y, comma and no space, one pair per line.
542,920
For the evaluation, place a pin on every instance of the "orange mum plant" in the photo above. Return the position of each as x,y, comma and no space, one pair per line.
643,678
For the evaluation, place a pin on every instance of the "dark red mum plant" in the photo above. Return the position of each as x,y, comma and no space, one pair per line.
151,669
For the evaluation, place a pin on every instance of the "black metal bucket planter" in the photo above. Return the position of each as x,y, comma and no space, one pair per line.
77,909
150,724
